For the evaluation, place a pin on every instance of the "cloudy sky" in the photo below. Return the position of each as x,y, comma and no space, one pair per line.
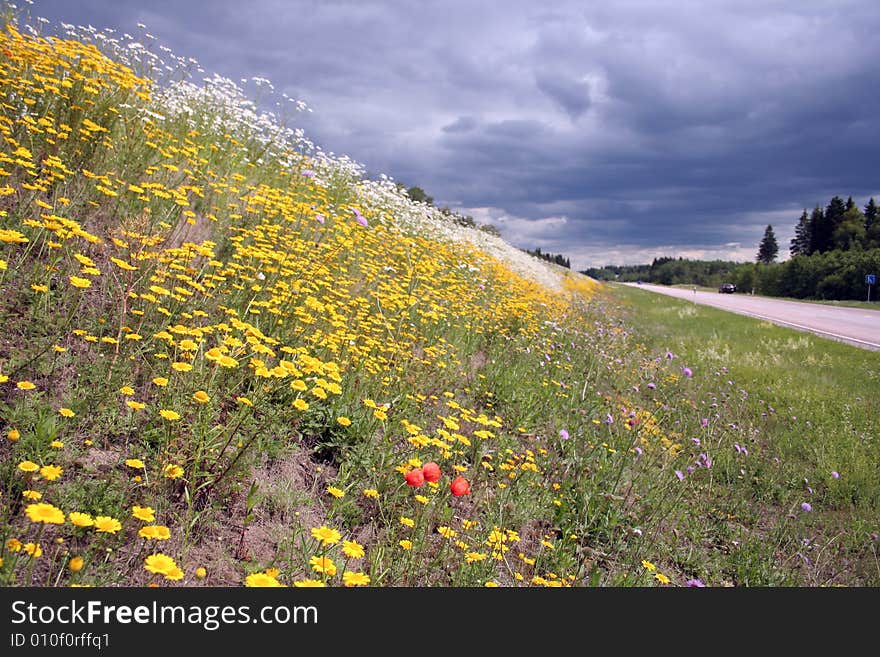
610,131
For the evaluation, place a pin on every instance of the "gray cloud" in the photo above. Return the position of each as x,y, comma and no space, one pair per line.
606,131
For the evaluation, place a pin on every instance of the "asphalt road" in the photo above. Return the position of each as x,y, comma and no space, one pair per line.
854,326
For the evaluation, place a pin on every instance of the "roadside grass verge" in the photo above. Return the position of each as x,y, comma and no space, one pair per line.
805,408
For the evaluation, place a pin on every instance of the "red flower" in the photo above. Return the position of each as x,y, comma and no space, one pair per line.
415,478
460,486
431,471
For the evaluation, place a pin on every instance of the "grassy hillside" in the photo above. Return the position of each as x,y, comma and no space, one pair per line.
228,358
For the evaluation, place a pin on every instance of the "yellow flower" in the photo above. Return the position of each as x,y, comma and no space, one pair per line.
299,385
79,282
406,544
144,513
171,416
301,405
446,532
13,435
135,406
201,573
174,574
647,565
32,495
28,466
33,549
336,492
107,525
51,472
261,580
660,577
122,264
56,444
181,367
491,585
172,471
45,513
372,493
155,532
25,385
160,381
80,519
128,391
201,396
159,563
13,545
75,564
227,361
355,579
244,400
407,522
326,535
474,557
352,549
421,499
66,412
323,566
344,421
135,463
309,583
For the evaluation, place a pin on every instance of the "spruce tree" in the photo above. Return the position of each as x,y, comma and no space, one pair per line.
817,231
800,243
833,218
769,247
872,225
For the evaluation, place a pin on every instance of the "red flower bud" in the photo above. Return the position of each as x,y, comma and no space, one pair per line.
415,478
460,486
431,471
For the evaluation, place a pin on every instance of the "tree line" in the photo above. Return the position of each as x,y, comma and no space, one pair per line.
840,226
833,249
556,258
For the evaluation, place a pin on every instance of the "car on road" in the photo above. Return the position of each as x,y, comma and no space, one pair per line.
727,288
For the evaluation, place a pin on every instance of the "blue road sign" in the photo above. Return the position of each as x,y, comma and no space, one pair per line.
870,279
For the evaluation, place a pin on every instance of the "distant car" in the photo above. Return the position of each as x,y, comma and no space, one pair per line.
727,288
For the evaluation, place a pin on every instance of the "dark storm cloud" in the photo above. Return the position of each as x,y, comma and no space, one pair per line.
609,131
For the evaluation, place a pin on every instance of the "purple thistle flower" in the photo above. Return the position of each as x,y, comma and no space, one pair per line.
704,422
806,507
359,217
695,583
687,371
308,173
639,451
835,474
669,355
609,419
319,218
652,385
563,434
679,475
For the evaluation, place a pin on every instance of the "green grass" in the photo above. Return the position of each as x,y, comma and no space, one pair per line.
805,407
